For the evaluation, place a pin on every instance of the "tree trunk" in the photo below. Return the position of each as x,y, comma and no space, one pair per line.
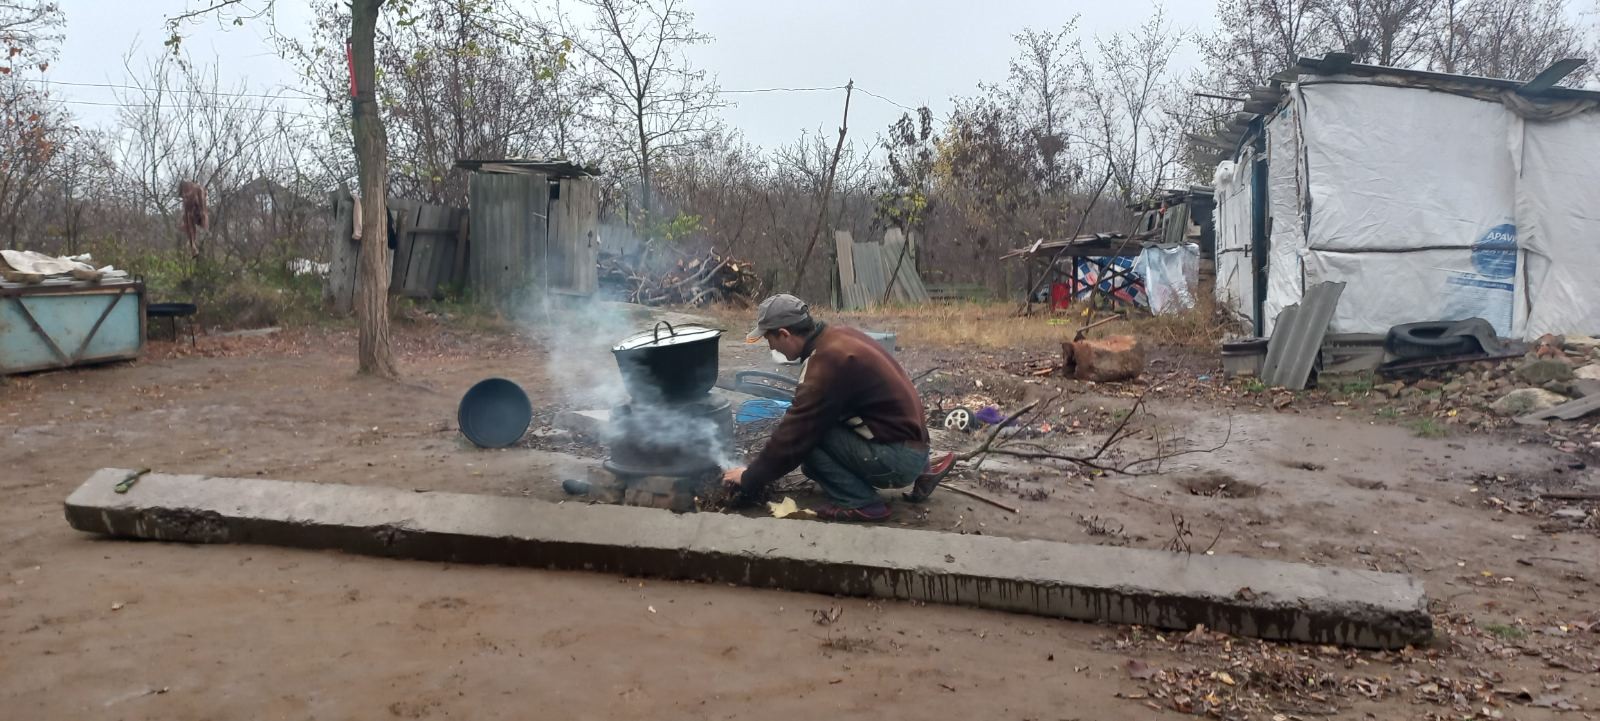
644,166
372,147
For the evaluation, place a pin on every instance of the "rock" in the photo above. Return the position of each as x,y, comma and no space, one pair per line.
1585,388
1583,343
1527,400
1562,387
1544,370
1576,514
1589,372
1548,346
1391,390
1115,358
1428,384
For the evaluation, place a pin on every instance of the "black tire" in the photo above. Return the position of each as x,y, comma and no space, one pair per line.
1428,339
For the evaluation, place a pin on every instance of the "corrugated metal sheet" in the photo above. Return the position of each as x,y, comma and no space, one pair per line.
844,245
900,267
1297,337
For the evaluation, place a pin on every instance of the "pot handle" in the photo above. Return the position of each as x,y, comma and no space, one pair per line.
671,332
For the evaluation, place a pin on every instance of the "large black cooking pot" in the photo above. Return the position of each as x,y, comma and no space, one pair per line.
670,365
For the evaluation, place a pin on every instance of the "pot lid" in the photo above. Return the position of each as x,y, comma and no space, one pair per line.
663,335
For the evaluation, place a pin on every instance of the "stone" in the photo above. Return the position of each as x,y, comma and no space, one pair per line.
1102,360
1526,400
1428,384
1542,371
1589,372
590,423
1585,388
1561,387
1391,390
1147,587
1583,343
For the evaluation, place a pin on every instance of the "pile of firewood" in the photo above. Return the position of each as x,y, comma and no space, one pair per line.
691,282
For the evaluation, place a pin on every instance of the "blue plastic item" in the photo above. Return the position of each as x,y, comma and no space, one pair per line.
761,409
494,413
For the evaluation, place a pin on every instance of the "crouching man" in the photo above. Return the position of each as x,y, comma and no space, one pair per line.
856,423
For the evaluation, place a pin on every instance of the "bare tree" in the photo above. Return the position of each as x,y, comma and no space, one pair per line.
1257,38
374,355
657,104
1383,32
29,32
32,126
1127,91
1503,38
183,124
462,80
32,132
1043,80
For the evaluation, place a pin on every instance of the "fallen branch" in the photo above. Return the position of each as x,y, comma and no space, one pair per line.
984,449
981,497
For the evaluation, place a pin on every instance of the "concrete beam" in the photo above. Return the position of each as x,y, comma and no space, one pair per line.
1266,599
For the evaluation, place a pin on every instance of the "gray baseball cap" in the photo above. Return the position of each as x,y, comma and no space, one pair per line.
779,311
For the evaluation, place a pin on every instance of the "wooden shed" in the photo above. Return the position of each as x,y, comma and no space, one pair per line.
535,229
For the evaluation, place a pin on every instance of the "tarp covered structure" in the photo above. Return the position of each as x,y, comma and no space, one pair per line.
1433,197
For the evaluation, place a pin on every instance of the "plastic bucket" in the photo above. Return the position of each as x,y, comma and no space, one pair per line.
494,413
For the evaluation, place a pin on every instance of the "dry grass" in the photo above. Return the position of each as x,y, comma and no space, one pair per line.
996,326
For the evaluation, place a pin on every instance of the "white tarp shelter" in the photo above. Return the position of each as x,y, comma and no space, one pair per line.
1434,197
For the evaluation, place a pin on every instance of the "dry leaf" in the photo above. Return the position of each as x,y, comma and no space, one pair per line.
784,508
1223,677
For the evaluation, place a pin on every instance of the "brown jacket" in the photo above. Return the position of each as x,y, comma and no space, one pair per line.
847,376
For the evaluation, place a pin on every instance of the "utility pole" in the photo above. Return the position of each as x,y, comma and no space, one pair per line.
827,189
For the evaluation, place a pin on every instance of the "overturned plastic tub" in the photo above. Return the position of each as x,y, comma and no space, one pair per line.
494,413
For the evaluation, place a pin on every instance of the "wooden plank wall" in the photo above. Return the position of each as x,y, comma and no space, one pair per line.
574,237
508,217
344,251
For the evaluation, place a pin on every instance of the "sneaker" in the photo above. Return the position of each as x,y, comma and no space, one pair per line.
929,480
875,512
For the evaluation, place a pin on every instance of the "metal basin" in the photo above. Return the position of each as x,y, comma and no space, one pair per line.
494,413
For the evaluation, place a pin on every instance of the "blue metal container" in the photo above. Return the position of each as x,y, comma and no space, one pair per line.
63,324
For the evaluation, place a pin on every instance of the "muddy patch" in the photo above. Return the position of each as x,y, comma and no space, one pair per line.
1218,485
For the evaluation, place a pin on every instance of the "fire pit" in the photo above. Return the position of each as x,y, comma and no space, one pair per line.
673,436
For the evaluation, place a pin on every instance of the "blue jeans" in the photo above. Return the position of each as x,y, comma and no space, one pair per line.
851,469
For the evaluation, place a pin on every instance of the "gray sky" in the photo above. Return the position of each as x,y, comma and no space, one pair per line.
910,52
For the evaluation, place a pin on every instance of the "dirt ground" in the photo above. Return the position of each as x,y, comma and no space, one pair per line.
92,628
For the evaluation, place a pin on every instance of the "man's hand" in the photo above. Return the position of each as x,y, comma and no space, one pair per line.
733,477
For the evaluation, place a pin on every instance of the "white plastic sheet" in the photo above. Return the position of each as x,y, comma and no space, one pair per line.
1558,214
1412,204
1431,206
1286,239
1170,275
1234,287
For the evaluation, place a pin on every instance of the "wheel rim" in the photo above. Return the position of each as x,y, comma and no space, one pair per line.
958,420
